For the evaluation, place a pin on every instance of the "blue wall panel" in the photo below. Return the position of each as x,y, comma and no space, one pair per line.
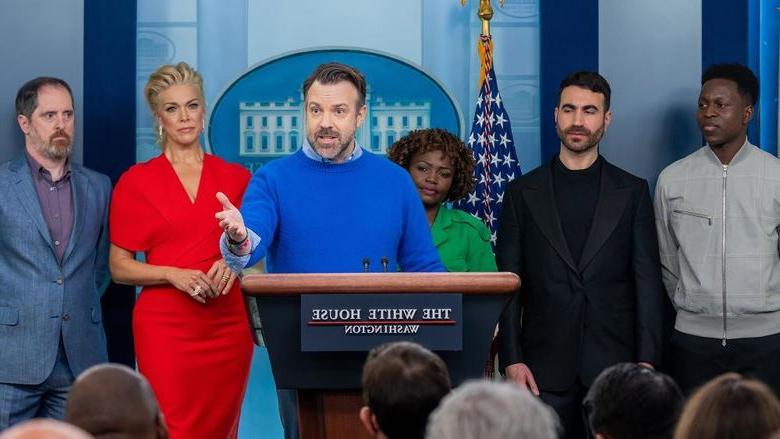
109,86
569,41
655,82
109,133
768,36
726,27
39,38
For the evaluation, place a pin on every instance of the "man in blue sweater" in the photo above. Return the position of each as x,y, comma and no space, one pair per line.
332,206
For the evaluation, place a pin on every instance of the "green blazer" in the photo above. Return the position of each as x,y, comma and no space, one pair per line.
463,242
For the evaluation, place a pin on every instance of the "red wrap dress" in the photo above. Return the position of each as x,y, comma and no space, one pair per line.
196,356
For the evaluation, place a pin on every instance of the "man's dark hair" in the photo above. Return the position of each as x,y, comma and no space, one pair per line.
402,384
590,81
631,401
27,96
333,73
112,399
746,80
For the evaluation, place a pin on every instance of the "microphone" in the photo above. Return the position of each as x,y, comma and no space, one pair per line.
385,261
366,263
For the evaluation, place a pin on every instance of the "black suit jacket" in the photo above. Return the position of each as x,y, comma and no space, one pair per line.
573,320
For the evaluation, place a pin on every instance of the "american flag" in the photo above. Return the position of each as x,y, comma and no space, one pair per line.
493,149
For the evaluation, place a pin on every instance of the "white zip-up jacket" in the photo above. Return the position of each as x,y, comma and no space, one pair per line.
718,238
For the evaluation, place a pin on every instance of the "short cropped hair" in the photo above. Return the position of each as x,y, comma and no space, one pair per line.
487,409
730,406
402,384
590,81
629,401
109,398
746,80
333,73
27,96
435,139
165,77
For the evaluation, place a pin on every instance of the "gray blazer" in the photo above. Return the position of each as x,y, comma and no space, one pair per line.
41,300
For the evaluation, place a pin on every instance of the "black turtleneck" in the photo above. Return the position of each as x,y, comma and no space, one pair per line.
576,195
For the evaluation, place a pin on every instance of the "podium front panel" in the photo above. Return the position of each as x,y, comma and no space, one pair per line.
293,369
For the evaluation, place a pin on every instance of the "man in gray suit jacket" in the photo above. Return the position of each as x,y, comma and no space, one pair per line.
53,259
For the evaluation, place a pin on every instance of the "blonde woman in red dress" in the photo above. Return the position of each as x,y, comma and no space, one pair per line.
192,337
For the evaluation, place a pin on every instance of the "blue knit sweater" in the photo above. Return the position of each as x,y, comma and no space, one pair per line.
315,217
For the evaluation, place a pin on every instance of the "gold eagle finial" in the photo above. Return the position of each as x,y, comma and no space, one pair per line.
485,13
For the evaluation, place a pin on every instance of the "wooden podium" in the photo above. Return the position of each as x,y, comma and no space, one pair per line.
328,383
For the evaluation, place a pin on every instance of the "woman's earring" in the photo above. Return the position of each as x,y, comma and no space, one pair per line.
159,131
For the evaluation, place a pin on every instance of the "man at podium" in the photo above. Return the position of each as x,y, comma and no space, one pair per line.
332,206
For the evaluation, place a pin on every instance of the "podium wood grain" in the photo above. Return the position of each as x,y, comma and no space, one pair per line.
378,283
330,414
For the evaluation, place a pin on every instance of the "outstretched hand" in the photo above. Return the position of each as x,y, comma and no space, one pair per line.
230,219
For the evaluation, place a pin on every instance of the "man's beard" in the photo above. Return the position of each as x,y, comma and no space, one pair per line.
343,144
58,147
593,138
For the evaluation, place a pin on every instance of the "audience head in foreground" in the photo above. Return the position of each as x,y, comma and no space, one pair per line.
730,406
114,401
632,401
488,409
402,384
44,429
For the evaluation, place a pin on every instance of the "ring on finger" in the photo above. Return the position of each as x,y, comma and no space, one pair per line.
226,277
196,290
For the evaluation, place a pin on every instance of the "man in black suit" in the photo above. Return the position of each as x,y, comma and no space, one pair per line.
580,233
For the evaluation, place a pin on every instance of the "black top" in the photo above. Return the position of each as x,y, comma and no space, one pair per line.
576,195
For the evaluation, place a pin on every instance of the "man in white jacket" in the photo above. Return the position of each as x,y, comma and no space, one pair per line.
717,215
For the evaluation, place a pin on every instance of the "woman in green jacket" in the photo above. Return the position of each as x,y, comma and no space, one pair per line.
443,170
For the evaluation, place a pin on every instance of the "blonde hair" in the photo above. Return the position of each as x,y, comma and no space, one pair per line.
165,77
730,406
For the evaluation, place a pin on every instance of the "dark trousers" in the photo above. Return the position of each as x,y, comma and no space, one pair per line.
696,360
568,405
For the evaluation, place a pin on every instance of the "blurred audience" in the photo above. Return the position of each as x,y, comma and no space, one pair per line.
730,407
44,429
492,410
402,384
629,401
114,401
